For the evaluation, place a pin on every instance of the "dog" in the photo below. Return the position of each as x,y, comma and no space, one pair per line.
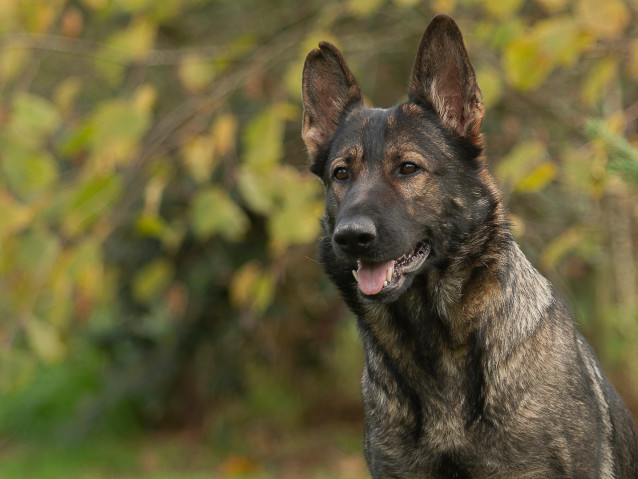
473,366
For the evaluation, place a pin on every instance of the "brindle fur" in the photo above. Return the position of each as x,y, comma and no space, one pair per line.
474,368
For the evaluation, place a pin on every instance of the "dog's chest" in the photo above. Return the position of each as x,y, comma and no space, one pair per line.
425,417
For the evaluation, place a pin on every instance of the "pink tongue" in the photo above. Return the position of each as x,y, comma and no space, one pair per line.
372,276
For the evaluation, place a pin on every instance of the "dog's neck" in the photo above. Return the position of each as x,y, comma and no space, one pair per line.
443,314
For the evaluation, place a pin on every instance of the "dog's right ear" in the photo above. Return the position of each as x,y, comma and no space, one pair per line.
328,88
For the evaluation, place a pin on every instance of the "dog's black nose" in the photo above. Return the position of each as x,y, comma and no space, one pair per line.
355,235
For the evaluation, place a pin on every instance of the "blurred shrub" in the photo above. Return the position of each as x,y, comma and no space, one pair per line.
155,207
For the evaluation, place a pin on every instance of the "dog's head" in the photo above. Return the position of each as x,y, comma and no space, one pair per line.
403,184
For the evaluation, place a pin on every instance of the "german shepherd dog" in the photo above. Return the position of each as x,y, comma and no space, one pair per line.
473,368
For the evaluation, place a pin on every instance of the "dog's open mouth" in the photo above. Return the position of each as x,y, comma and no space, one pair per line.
375,277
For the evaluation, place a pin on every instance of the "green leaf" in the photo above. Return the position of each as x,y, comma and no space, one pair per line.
37,251
116,131
562,40
152,280
299,206
134,42
19,369
33,117
27,170
31,175
491,85
45,340
214,212
264,135
90,201
258,190
623,156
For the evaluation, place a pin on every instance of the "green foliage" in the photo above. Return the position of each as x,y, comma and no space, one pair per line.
155,204
623,157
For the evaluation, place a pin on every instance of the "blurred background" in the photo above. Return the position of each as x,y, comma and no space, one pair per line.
163,314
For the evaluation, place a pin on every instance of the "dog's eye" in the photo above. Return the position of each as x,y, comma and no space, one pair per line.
341,174
408,169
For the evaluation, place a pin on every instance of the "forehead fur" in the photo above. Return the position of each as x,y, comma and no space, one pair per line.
404,128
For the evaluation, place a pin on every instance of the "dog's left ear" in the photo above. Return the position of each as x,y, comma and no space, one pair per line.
443,78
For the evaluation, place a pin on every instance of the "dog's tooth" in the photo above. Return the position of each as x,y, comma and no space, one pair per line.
388,275
385,283
356,276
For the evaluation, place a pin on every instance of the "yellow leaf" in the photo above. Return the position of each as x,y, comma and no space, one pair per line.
196,72
144,98
198,158
604,19
252,288
14,216
598,79
364,8
66,92
241,286
238,466
134,42
45,340
526,64
632,65
150,225
538,178
224,133
520,161
503,8
13,57
38,15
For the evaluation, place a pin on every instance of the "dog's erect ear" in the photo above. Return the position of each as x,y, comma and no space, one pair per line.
444,79
328,88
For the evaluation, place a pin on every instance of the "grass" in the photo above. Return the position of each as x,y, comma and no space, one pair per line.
320,455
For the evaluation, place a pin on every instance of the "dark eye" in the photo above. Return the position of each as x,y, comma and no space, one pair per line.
341,174
408,169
